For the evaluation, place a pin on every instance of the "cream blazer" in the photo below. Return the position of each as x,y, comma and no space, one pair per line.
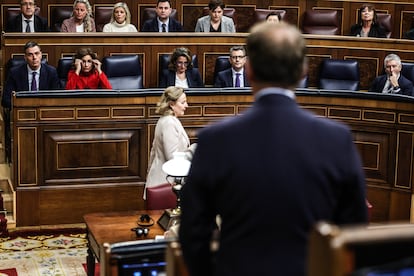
169,137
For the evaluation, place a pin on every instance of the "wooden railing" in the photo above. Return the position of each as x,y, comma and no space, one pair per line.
87,151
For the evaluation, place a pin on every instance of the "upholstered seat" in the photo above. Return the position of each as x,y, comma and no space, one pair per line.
303,83
102,16
57,15
339,75
123,71
63,67
385,20
321,22
13,11
222,63
260,14
161,197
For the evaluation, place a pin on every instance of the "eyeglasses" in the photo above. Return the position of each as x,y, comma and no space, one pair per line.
237,57
182,63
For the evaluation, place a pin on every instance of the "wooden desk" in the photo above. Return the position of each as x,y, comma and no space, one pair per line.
115,227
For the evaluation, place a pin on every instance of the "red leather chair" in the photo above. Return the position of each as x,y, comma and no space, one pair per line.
384,19
161,197
58,13
321,22
102,16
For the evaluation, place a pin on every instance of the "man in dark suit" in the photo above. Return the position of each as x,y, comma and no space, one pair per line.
27,21
162,22
234,76
30,76
392,81
269,174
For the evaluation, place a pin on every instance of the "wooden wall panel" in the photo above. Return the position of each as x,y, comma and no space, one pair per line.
100,162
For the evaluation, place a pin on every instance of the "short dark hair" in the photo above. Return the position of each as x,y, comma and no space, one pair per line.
274,13
30,44
162,1
214,4
370,7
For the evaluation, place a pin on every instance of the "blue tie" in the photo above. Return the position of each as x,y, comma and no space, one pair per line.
237,80
34,84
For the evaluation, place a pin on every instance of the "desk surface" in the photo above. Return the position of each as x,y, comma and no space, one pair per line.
115,227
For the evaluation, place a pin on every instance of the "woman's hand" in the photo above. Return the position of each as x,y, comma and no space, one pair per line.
78,66
98,65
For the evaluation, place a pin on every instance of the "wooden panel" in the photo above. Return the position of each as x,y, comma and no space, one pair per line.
64,159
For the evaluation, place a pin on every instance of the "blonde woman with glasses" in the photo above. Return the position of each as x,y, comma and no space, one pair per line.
81,20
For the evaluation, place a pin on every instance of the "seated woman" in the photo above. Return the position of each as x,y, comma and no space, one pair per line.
180,71
215,21
367,25
81,20
120,19
87,72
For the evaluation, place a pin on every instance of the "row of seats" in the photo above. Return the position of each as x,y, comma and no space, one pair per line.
125,71
324,22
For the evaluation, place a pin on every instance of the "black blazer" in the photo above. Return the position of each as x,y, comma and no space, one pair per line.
255,170
225,79
17,80
151,25
375,31
193,78
15,24
406,86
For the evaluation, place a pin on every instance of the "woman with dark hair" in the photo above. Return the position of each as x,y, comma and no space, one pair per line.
86,72
180,71
215,21
368,25
81,19
273,17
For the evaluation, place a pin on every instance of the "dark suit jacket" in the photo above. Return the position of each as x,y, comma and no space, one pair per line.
15,24
406,86
225,79
17,80
269,188
375,31
151,25
193,78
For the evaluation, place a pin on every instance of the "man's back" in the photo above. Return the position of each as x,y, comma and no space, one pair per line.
272,173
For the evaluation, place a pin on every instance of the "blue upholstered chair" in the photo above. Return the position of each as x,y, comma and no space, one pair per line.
123,71
222,63
63,67
339,75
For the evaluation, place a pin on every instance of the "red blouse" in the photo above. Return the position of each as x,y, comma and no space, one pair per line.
92,80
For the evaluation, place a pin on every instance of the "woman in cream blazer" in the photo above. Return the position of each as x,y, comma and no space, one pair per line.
169,135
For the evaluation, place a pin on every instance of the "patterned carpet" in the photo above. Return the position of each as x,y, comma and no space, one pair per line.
52,252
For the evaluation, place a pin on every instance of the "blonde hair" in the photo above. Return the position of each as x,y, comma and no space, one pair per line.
87,20
171,94
126,9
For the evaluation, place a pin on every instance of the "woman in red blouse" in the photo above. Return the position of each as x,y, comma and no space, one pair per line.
87,72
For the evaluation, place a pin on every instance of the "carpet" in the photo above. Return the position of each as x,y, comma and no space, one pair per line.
57,252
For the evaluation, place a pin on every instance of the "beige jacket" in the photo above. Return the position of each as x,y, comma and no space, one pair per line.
169,137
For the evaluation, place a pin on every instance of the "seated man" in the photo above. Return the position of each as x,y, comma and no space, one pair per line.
162,22
392,81
234,76
27,21
30,76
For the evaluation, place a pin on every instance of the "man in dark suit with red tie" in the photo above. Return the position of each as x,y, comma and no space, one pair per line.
269,174
27,21
234,76
33,75
162,22
392,82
